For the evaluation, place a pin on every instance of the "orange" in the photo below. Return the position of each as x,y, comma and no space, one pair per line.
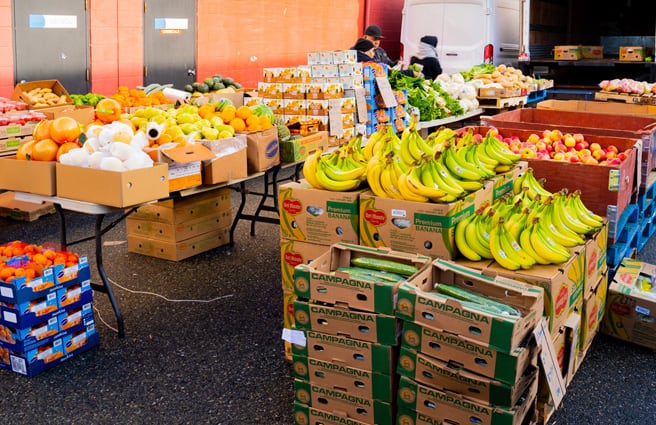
228,113
65,129
238,124
65,148
243,112
108,110
45,150
41,130
24,151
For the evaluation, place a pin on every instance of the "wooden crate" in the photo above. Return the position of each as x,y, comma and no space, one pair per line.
642,99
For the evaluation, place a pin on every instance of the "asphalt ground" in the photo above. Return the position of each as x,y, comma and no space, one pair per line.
203,343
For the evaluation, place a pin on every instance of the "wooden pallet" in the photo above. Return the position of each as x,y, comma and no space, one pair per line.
502,102
645,99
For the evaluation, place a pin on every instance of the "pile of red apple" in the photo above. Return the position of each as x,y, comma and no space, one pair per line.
21,118
555,145
8,105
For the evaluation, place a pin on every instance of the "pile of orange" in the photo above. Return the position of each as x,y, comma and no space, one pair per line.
51,139
129,98
242,119
37,259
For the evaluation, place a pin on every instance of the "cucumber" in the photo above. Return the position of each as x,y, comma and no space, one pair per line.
378,275
385,265
472,297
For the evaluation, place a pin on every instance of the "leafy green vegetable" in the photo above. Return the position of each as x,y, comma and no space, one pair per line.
484,68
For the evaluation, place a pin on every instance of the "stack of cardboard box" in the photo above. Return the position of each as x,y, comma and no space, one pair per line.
384,105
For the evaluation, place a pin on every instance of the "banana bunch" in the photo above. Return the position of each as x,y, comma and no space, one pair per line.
378,139
341,170
413,148
532,186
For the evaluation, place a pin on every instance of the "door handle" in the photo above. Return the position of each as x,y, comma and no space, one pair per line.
191,72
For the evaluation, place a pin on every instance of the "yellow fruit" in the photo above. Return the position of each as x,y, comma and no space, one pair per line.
238,124
243,112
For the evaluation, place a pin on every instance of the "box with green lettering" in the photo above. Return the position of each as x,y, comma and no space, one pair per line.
352,406
485,361
344,350
455,408
337,320
451,377
345,377
306,415
335,278
318,216
496,312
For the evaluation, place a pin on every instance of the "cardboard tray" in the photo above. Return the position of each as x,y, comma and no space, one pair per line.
21,90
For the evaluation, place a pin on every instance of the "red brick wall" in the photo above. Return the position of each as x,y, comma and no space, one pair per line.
387,15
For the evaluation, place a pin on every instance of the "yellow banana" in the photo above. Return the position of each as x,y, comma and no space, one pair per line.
478,237
564,234
462,242
503,258
416,185
498,151
388,182
310,169
438,171
407,191
545,246
563,214
334,185
482,168
510,245
341,171
518,183
374,168
461,170
582,212
527,245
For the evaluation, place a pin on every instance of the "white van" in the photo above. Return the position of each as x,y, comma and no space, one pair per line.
469,32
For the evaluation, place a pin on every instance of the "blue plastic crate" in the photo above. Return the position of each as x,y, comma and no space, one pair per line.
616,225
618,251
647,229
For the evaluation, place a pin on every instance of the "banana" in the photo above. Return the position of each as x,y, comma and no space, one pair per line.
446,175
342,172
471,157
461,169
534,186
560,228
334,185
545,246
512,248
563,214
582,212
416,185
310,169
470,186
506,259
374,169
407,191
439,170
482,155
527,245
499,151
388,181
462,241
478,238
518,183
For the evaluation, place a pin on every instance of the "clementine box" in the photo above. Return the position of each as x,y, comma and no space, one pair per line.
42,176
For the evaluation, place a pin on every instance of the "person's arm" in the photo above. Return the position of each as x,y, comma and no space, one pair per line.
381,57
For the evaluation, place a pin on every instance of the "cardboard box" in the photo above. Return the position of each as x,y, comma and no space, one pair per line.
341,349
21,210
187,208
594,308
319,216
21,90
306,415
263,151
550,377
631,305
563,285
502,184
450,377
418,302
229,162
297,150
185,165
288,299
10,145
567,53
293,253
178,232
42,178
633,53
450,407
321,281
595,257
592,52
84,114
365,326
177,251
345,378
113,188
236,98
16,130
355,407
617,108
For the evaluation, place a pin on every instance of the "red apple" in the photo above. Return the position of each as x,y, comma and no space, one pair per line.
559,156
599,154
533,138
574,158
612,148
621,156
595,146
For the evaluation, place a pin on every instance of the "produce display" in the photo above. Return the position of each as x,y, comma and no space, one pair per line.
432,101
215,83
51,139
148,96
628,86
8,105
21,117
20,259
91,99
41,97
500,76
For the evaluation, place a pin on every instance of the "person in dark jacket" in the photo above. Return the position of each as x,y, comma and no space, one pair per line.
374,34
426,56
364,49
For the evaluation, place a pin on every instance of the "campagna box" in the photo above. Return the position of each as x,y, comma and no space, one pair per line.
288,299
371,327
84,114
185,165
451,377
448,407
595,257
293,253
485,361
353,406
299,149
177,251
562,284
229,162
592,313
22,92
344,350
263,151
42,176
319,216
306,415
633,53
344,377
112,188
418,302
407,226
181,231
322,281
567,53
592,52
183,209
631,304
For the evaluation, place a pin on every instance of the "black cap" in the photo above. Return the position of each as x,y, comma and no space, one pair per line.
373,31
363,45
429,39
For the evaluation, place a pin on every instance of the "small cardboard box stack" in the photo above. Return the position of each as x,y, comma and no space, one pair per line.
633,53
310,221
567,53
460,362
349,315
46,320
179,228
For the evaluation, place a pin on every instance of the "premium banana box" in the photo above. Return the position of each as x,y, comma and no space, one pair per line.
318,216
306,415
454,378
562,284
408,226
594,307
485,361
362,325
595,257
352,406
341,349
346,378
293,253
331,278
449,407
509,311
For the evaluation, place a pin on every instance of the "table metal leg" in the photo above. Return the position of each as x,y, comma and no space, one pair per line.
240,210
62,227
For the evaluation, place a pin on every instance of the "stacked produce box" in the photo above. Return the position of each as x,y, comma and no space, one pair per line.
346,335
467,347
380,110
16,124
180,228
46,307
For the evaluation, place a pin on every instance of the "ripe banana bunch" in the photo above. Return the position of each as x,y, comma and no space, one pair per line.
439,139
507,252
337,171
472,235
527,182
381,138
494,149
465,167
413,147
538,243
